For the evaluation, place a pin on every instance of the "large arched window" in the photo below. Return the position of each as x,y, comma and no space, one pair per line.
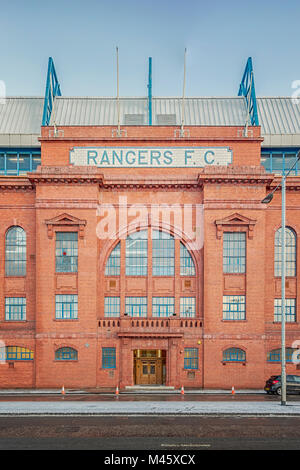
15,252
290,249
137,254
234,355
163,254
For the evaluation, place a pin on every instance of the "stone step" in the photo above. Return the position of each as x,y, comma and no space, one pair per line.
148,388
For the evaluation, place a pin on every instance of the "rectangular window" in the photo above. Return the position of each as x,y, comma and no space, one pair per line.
188,307
112,306
66,307
66,252
162,306
108,358
14,163
280,163
234,252
290,310
15,308
191,358
234,307
136,306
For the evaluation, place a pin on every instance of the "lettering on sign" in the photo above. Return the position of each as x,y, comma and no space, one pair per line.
149,157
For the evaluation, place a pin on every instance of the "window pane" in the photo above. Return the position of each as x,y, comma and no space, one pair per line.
290,248
15,252
17,353
275,355
162,306
277,163
137,254
66,252
290,310
66,307
187,267
136,306
113,264
234,354
24,163
187,307
266,161
112,306
191,358
12,163
108,358
289,161
163,254
2,163
234,252
66,354
36,161
15,308
234,307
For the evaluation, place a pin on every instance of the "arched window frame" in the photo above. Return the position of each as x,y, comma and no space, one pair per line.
234,355
187,265
15,252
113,263
66,354
291,252
275,355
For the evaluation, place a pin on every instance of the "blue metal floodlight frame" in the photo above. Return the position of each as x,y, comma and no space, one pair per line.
247,89
52,90
150,92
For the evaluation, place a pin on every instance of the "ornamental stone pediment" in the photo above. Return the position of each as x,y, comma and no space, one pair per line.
65,220
235,222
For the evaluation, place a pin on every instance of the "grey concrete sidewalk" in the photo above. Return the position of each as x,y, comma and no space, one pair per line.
112,391
149,408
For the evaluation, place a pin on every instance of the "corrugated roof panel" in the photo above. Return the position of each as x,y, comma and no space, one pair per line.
21,115
277,116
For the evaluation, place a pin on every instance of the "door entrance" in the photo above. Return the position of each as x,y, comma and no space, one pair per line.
149,366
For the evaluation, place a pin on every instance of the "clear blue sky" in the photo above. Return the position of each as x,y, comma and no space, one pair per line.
81,36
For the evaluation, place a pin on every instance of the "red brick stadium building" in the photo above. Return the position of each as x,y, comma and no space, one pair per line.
136,251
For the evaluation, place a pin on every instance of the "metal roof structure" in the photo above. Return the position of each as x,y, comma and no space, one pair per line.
21,117
20,121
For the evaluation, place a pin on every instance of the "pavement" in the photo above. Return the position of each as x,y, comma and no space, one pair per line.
104,391
182,405
75,408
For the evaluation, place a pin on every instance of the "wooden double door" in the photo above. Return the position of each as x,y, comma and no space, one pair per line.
149,370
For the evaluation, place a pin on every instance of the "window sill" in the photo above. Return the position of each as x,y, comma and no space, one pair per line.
15,321
243,363
234,321
65,319
65,360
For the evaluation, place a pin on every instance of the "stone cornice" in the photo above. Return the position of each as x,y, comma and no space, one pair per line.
235,175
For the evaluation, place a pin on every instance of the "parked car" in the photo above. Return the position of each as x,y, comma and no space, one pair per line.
273,384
